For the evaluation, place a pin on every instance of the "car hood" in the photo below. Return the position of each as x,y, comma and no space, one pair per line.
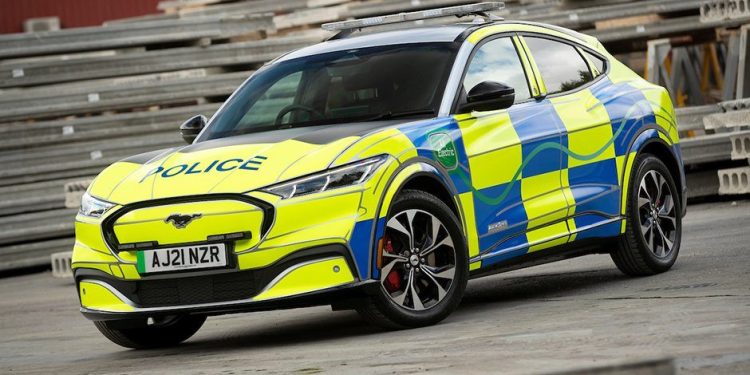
229,165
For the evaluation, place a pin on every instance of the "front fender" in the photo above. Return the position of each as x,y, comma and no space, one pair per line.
408,171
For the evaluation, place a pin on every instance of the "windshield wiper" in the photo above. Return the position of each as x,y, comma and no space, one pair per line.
391,115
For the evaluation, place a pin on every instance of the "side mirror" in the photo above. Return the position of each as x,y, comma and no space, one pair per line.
488,96
192,127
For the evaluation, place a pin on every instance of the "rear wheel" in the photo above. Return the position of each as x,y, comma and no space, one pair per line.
163,332
654,225
424,265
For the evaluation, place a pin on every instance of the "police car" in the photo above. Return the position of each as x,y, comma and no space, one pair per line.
381,171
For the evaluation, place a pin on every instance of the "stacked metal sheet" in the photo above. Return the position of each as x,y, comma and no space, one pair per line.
73,101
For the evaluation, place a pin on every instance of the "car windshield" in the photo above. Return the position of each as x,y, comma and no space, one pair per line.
354,85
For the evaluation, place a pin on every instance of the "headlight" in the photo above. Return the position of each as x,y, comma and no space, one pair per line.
347,175
93,207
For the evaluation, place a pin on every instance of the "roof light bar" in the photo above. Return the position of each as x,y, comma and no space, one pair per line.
458,11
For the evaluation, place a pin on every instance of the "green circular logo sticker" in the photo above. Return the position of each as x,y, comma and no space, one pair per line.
444,150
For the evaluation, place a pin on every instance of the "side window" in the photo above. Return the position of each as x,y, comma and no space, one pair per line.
598,63
497,60
561,66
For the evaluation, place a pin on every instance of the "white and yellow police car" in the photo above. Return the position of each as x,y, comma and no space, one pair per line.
380,172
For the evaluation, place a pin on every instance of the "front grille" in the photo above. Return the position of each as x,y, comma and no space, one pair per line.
191,290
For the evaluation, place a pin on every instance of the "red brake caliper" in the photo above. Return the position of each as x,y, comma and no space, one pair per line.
393,279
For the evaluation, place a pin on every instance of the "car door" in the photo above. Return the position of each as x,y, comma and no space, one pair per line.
514,158
589,166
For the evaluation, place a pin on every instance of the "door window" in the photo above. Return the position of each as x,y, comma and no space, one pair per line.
597,61
497,60
560,64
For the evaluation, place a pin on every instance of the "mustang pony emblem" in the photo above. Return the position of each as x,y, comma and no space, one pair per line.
181,221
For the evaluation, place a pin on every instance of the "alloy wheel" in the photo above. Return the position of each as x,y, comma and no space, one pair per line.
419,260
657,214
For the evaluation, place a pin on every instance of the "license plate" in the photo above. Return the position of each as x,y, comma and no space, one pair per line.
182,258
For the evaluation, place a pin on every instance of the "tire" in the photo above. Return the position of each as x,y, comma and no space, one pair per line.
642,251
169,332
391,304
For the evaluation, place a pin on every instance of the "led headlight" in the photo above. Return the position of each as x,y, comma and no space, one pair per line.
347,175
93,207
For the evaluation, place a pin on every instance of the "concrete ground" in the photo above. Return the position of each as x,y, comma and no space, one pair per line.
563,316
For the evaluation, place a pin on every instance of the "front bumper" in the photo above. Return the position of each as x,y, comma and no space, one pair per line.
290,250
315,276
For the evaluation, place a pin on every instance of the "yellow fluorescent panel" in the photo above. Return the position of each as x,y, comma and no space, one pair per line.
495,168
143,184
312,160
308,278
528,66
660,102
110,177
620,165
95,296
493,148
90,234
569,198
153,227
536,186
104,267
467,203
83,253
303,213
395,184
488,132
549,236
206,208
390,141
590,146
588,126
626,183
534,68
619,73
218,217
543,199
266,256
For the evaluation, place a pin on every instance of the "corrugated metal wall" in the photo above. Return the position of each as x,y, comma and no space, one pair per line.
72,13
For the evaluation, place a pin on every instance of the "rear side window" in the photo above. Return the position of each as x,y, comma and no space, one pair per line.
561,66
597,61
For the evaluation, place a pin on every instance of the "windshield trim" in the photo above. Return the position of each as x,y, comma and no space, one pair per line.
451,47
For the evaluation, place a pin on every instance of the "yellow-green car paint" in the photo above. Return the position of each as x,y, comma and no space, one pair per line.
506,210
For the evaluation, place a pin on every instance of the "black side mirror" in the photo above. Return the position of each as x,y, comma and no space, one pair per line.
192,127
488,96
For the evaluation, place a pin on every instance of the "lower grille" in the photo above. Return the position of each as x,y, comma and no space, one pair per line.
190,290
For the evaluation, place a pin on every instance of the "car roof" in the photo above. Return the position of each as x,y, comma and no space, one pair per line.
424,34
428,34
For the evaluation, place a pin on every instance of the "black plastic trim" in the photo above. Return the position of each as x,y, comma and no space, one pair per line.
262,276
108,223
331,296
561,252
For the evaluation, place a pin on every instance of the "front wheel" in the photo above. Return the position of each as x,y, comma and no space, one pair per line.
161,333
424,265
654,225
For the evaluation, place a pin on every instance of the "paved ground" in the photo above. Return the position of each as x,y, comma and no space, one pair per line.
561,316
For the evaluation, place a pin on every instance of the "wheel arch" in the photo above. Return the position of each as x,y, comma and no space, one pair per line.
417,174
652,141
664,153
431,184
